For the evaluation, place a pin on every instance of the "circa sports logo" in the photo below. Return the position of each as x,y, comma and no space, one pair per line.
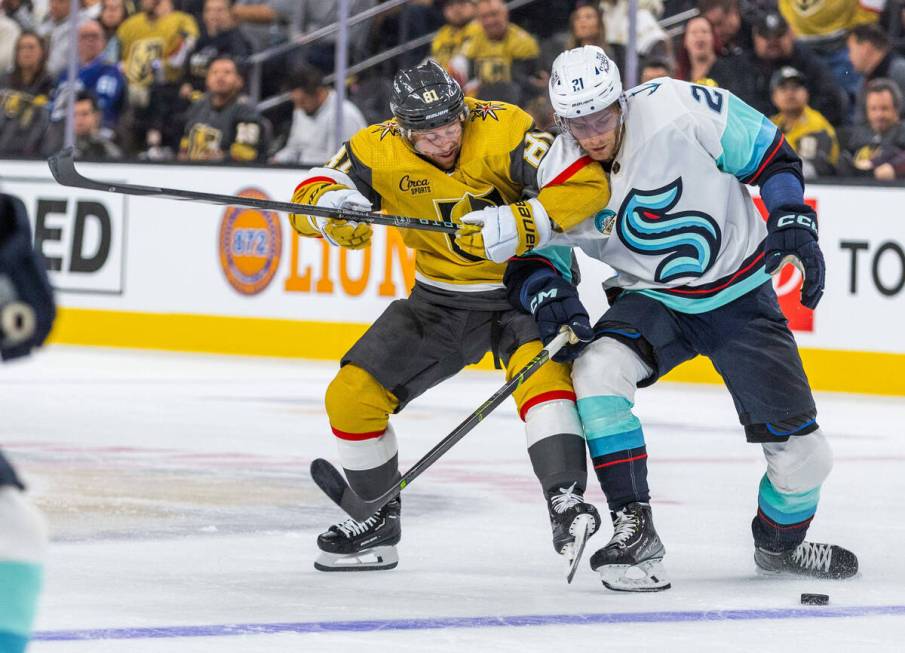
689,239
414,186
250,244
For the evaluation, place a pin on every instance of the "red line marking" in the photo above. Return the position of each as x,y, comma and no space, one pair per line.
782,139
545,396
306,182
619,462
564,176
720,287
357,437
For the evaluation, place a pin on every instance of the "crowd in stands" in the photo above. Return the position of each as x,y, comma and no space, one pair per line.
166,80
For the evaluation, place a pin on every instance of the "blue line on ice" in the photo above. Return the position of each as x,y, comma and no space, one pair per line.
432,623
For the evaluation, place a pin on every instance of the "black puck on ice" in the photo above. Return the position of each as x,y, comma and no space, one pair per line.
815,599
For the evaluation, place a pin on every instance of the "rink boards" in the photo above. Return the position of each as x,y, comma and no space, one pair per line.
146,273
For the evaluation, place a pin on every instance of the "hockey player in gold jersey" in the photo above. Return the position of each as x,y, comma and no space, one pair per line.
446,157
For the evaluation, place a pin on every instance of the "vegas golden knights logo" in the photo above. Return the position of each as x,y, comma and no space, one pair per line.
454,209
203,139
140,65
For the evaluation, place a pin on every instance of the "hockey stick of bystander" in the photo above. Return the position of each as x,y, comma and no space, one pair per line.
62,166
331,481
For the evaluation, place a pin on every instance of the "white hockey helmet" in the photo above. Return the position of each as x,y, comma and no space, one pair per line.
583,81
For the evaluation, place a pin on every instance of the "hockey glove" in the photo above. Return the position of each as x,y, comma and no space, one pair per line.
497,233
345,233
26,298
554,303
792,238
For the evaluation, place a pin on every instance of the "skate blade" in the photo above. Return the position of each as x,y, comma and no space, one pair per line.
375,559
647,576
582,528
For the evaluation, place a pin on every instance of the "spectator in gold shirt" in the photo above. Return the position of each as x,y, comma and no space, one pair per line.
807,131
154,45
504,59
458,30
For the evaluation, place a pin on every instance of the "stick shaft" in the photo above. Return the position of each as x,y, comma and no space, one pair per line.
62,166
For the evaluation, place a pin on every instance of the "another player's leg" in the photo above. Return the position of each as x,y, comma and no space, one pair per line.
546,402
787,501
759,361
23,544
358,408
605,376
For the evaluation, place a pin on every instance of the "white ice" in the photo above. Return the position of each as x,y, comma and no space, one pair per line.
177,491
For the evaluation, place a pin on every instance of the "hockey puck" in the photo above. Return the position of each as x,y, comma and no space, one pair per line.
815,599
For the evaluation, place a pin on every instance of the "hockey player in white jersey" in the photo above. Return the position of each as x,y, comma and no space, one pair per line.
692,260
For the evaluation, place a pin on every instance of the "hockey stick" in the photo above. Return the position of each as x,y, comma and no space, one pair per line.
62,167
328,478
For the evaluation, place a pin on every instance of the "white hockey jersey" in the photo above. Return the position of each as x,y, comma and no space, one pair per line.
681,225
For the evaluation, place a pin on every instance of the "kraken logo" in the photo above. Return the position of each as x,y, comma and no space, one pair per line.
689,239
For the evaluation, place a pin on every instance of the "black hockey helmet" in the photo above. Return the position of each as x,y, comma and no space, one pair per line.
425,97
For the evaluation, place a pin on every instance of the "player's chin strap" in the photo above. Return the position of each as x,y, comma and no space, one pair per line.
331,481
62,166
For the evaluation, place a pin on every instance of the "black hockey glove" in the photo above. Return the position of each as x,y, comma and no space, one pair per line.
792,237
553,301
26,299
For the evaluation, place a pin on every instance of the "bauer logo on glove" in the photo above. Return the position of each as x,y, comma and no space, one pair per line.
497,233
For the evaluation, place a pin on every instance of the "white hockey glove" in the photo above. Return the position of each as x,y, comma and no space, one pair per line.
345,233
497,233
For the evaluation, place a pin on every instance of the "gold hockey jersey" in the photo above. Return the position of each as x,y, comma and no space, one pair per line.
823,19
502,157
451,41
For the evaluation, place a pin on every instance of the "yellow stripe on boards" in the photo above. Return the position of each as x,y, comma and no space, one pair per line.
830,370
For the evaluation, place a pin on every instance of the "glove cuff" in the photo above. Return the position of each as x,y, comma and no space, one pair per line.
533,224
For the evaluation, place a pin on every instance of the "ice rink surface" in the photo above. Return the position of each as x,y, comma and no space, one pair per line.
183,519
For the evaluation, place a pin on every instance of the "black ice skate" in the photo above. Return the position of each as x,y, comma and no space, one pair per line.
809,559
573,520
632,561
362,545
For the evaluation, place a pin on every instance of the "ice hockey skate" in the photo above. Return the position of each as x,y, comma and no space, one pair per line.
362,545
573,520
632,561
808,559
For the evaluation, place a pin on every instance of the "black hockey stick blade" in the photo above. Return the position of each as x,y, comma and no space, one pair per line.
328,478
62,167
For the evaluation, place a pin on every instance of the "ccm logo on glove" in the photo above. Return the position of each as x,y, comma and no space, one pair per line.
797,221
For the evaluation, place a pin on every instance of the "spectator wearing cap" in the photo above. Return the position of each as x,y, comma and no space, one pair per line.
877,147
871,54
775,47
312,137
807,131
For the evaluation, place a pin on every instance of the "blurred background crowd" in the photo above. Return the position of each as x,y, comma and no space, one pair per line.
252,80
